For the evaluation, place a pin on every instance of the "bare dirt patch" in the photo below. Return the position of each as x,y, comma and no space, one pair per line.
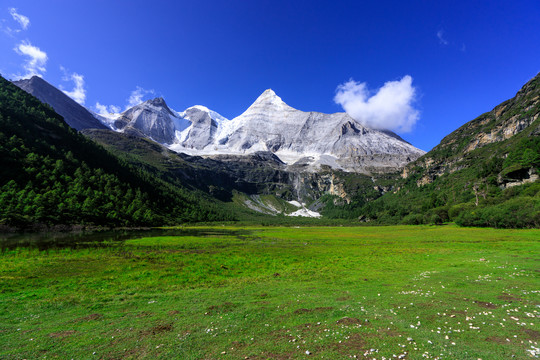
317,309
497,340
355,344
222,308
262,302
90,317
508,297
143,314
486,305
532,334
158,329
62,334
349,321
384,333
270,355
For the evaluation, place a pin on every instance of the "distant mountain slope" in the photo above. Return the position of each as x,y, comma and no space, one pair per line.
486,173
246,182
50,174
74,114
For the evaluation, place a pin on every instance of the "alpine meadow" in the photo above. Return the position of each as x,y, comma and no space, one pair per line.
269,180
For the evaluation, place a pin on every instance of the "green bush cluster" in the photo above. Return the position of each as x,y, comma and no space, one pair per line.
522,211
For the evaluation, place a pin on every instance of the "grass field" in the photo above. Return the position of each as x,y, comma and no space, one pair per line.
278,293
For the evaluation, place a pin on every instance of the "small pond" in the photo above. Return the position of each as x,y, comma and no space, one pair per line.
83,239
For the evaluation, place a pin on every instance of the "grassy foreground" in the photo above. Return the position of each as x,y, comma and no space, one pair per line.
279,293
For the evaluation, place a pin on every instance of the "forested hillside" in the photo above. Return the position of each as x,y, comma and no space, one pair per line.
50,174
483,174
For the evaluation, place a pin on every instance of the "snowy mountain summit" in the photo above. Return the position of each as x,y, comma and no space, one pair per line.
298,138
153,119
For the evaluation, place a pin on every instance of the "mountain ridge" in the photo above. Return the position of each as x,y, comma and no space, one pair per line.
312,138
75,115
269,124
503,122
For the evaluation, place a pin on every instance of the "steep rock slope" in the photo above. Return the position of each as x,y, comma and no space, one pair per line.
73,113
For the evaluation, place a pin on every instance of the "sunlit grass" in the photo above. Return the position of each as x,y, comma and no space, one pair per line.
335,292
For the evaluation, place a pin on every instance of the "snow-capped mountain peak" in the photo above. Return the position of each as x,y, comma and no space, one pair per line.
155,104
152,118
269,124
214,115
268,101
268,97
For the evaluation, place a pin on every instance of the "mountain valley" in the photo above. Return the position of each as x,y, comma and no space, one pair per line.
276,160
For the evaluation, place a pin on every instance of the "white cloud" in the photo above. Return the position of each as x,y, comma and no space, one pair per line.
37,59
106,109
7,30
24,21
389,108
101,109
137,95
440,36
135,98
79,92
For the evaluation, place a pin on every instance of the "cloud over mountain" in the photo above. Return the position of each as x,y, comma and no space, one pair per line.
137,96
79,92
36,59
388,108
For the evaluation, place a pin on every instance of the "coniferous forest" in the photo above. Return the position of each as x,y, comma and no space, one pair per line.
50,174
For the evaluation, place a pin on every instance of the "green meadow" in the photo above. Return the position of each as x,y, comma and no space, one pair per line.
396,292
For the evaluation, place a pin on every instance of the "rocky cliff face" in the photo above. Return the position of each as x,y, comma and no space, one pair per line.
501,123
74,114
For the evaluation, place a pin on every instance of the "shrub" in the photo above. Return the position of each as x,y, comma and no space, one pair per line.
457,209
520,212
413,219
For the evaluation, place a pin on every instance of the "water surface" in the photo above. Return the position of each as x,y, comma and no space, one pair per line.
110,238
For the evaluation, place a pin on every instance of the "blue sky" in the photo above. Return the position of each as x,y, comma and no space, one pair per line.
462,57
